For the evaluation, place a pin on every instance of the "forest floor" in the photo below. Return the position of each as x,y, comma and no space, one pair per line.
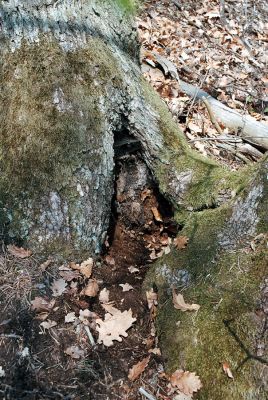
56,341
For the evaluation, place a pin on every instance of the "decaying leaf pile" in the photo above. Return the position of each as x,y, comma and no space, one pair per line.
218,46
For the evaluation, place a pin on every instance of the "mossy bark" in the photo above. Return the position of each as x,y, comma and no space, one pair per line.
220,271
70,79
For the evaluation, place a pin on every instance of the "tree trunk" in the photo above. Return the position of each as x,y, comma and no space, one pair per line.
72,98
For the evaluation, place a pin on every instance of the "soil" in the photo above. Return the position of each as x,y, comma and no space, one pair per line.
35,363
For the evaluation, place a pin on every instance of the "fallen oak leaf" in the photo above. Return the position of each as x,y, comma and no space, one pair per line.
180,242
70,275
227,370
104,296
40,304
48,324
70,317
187,382
86,267
58,287
114,325
18,252
138,369
179,303
92,288
126,287
75,352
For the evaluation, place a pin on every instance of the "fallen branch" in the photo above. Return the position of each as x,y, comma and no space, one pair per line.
247,127
212,116
148,396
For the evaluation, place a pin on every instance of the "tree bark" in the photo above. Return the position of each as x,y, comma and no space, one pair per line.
71,93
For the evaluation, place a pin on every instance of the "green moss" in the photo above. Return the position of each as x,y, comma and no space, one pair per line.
223,330
44,145
51,121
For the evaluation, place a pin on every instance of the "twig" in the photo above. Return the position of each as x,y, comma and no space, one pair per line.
237,154
89,334
198,88
143,392
177,4
218,138
10,335
212,116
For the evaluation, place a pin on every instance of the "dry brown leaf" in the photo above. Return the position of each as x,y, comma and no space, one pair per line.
110,260
70,317
48,324
70,275
182,396
180,304
46,264
41,304
145,193
156,214
126,287
138,369
58,287
187,382
86,267
226,369
152,298
42,316
92,288
132,270
73,265
156,351
180,242
18,252
115,325
104,296
75,352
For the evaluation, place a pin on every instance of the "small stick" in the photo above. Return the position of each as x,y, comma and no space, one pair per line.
212,116
143,392
89,334
10,335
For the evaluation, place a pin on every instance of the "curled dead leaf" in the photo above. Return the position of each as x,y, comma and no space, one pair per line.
92,288
152,298
180,242
179,303
86,267
227,370
40,304
126,287
18,252
138,369
48,324
156,214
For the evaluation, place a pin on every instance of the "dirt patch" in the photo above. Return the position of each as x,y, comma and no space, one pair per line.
34,359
